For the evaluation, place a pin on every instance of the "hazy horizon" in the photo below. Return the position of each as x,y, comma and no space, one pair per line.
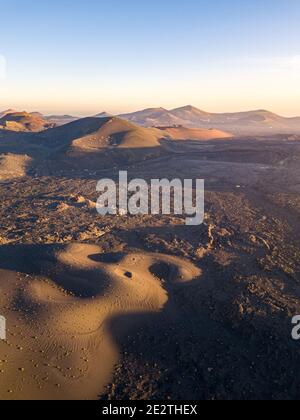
117,56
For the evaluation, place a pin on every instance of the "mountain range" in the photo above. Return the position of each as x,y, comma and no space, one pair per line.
244,123
259,122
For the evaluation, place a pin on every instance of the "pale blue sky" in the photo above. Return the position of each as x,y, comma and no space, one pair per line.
86,56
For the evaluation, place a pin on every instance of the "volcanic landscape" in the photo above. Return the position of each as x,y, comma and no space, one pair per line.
145,307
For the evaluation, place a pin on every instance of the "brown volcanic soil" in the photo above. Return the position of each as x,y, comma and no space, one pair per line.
201,134
13,166
23,121
160,310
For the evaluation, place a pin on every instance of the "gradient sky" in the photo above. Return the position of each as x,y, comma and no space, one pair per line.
84,57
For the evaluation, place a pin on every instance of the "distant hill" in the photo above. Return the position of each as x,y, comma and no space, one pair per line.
197,134
7,111
190,113
24,121
60,119
259,122
96,134
153,117
103,115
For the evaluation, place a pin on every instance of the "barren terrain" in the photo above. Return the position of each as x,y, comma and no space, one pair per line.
144,307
